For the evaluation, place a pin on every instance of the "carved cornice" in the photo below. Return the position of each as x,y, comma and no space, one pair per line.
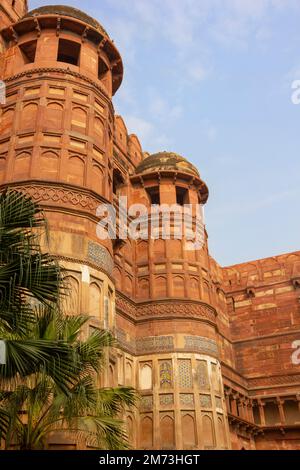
168,309
275,380
44,70
61,195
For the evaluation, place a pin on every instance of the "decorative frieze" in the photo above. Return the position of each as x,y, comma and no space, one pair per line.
205,401
147,403
165,374
201,345
167,399
187,400
154,344
185,378
202,375
98,255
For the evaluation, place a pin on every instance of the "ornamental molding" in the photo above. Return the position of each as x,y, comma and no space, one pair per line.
60,195
170,309
43,70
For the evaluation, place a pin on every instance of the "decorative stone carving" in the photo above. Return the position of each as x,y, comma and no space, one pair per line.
147,403
219,403
100,256
154,344
46,70
202,375
187,400
205,401
166,309
185,373
165,374
200,344
166,399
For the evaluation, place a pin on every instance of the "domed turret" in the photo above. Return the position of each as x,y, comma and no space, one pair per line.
64,10
166,161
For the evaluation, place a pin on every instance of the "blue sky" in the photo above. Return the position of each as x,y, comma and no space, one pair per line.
211,80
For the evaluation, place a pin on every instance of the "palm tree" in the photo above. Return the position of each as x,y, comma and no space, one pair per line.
49,380
26,277
87,412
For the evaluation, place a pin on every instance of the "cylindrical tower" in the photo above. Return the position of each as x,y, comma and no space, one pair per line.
56,140
177,361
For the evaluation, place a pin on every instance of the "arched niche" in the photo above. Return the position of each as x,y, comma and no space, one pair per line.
146,433
167,432
143,289
6,121
97,177
208,431
29,116
142,251
76,170
160,287
118,278
22,165
71,300
188,431
79,119
54,116
194,287
95,300
99,130
128,374
178,286
48,165
145,381
222,432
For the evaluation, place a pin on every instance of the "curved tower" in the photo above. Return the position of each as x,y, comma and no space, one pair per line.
177,360
61,143
56,141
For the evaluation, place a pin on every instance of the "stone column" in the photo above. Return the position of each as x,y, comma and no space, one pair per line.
250,411
281,410
262,413
228,393
234,405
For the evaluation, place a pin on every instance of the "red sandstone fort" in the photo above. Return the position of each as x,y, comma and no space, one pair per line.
208,347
